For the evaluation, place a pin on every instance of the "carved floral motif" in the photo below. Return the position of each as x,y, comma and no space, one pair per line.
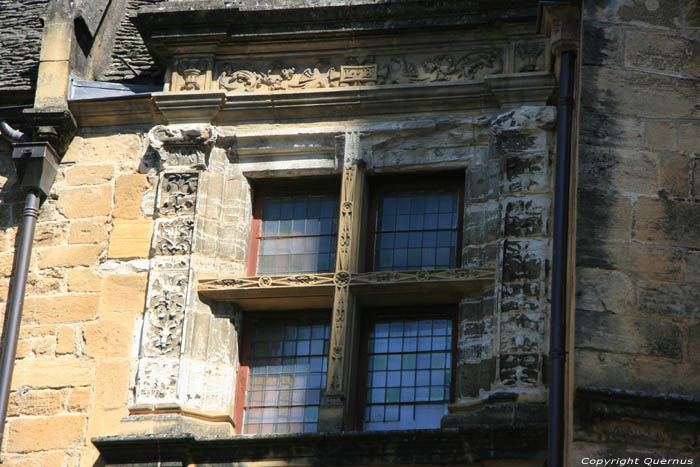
166,312
528,54
395,70
178,192
174,237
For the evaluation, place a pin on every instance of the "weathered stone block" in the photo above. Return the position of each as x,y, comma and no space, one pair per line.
602,129
61,309
65,341
656,375
527,216
85,201
123,294
128,193
660,135
130,239
36,459
111,384
667,221
694,345
69,256
675,176
522,332
627,334
53,373
41,403
89,174
630,171
472,378
679,301
45,433
476,310
527,173
107,339
87,231
521,297
689,137
625,91
603,45
662,53
50,233
79,399
661,13
122,149
603,290
524,259
481,223
84,280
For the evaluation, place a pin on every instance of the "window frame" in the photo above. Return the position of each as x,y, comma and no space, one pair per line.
372,315
413,183
304,186
250,320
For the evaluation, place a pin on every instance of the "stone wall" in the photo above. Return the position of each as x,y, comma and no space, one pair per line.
84,300
637,309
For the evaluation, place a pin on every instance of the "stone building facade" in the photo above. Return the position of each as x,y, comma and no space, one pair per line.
177,121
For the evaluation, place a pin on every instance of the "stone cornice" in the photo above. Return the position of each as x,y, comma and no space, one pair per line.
494,92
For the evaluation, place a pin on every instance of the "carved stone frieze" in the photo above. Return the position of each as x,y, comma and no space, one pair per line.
440,275
240,77
174,236
165,313
178,194
298,280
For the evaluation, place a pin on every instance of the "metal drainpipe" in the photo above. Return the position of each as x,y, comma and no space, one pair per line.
557,352
16,302
36,164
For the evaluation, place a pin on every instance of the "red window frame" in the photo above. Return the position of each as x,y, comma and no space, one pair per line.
372,315
321,186
245,350
413,183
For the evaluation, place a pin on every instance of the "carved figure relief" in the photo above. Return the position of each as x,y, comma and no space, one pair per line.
237,77
529,56
186,146
178,193
174,237
193,73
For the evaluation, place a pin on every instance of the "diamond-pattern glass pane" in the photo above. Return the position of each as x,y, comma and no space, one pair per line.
298,235
409,372
416,231
287,378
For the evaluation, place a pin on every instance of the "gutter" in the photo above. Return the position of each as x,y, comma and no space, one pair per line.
36,164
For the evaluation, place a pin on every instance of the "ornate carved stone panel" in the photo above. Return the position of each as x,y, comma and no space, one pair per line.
186,146
165,313
178,192
174,236
191,74
156,380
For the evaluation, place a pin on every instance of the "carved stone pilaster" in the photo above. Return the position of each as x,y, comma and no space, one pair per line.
165,313
177,194
156,381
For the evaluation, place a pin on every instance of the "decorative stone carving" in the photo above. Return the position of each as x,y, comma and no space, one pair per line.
178,193
174,237
166,312
300,280
529,56
191,74
236,77
156,380
186,146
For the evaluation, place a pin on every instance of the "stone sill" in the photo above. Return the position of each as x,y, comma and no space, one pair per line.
314,291
462,446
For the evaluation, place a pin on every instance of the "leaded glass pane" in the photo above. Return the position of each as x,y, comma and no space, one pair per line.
416,231
409,371
298,235
288,365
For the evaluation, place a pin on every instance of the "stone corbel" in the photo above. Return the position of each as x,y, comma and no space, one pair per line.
186,146
561,25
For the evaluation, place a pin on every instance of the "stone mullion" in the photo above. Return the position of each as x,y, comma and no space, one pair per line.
339,387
